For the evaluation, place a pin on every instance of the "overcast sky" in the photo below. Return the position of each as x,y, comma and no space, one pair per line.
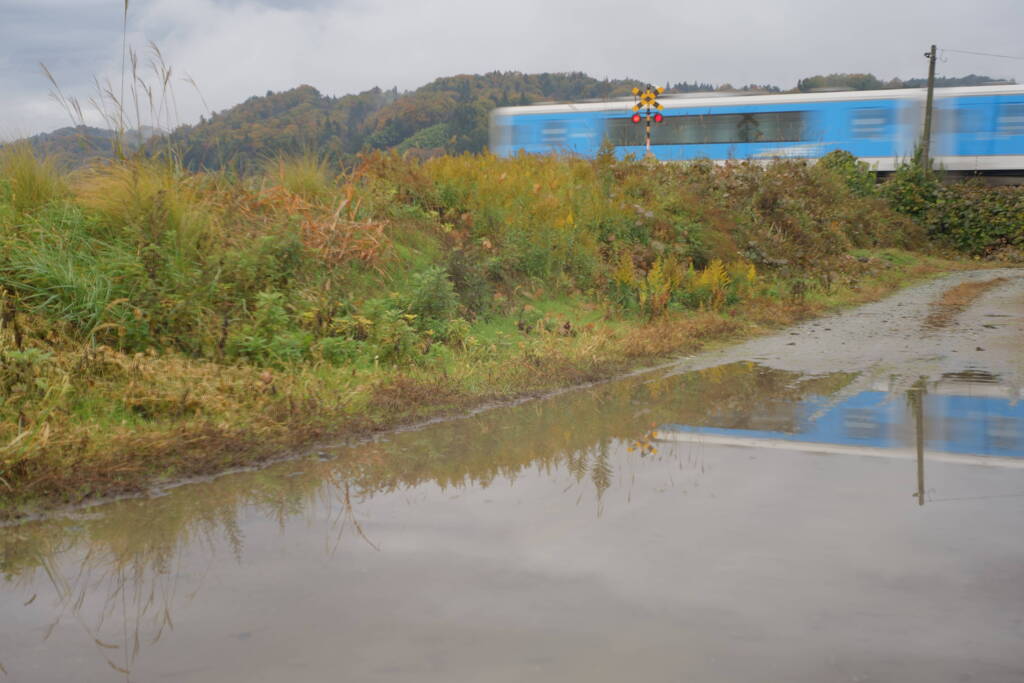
237,48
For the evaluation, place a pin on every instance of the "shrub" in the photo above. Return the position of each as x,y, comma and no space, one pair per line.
22,374
912,190
341,350
391,332
468,274
270,338
979,219
655,290
432,299
968,216
717,285
715,280
856,175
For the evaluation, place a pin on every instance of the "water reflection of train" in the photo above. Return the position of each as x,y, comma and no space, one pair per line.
964,414
976,129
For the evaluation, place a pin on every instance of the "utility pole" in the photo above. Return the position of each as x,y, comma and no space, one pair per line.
926,142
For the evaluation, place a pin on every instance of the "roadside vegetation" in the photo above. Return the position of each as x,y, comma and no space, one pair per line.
157,323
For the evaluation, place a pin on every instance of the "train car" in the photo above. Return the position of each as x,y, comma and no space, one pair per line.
979,128
960,418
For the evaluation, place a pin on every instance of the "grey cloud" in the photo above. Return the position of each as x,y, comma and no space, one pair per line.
237,48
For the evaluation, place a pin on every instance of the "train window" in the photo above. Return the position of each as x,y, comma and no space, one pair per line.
725,128
625,133
711,129
1011,119
1005,434
864,424
783,126
776,126
870,122
554,132
522,135
972,119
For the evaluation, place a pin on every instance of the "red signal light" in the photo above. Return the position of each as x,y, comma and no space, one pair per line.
658,118
636,118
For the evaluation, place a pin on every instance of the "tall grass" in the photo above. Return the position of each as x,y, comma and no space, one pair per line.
305,175
29,182
62,272
144,98
162,258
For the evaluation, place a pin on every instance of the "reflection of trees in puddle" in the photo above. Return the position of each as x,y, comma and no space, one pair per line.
554,432
117,594
128,557
117,577
344,518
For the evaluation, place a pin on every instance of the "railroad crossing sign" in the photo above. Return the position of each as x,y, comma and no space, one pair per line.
647,99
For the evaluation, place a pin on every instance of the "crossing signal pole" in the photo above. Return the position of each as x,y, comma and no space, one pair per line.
646,100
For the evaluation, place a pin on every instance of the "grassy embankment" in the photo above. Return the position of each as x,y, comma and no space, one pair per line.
158,324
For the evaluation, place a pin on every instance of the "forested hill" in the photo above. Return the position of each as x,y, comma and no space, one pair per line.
77,145
449,115
872,82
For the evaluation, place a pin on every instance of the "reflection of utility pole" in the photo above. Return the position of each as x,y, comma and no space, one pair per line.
915,397
926,140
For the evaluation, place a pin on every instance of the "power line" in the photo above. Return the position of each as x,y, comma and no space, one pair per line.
983,54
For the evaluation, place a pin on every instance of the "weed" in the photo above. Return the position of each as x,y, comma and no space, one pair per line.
432,300
304,175
29,182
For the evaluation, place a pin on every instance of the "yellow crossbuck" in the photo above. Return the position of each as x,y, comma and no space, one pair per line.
647,98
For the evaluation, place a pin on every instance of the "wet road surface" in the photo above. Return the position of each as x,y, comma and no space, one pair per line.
757,514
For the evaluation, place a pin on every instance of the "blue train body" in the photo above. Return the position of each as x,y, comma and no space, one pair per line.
959,423
976,129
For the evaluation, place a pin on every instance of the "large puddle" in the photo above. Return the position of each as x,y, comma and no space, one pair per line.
730,524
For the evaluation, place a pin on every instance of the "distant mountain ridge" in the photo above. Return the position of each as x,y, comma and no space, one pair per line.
447,116
76,146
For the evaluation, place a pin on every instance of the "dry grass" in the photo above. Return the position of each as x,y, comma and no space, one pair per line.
672,335
956,299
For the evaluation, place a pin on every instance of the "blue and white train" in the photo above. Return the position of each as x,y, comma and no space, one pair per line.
960,418
975,130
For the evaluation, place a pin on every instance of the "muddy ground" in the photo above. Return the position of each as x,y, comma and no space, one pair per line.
893,335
